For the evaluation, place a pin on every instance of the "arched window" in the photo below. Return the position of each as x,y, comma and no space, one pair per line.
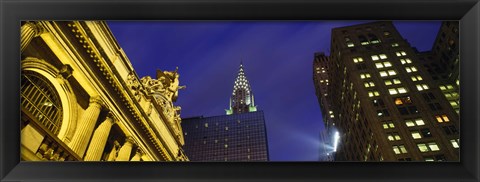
39,97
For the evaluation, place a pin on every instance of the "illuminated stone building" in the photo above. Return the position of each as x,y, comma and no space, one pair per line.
385,104
240,135
82,100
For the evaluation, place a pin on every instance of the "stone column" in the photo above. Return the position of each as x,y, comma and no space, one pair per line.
138,155
27,32
85,127
99,139
126,150
113,153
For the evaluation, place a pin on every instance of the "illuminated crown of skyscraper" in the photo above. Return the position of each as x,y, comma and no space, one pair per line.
242,97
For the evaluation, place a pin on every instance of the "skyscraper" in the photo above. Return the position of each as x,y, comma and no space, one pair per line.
442,62
240,135
321,82
383,102
242,99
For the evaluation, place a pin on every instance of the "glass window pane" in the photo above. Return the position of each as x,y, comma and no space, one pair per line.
422,147
416,135
433,146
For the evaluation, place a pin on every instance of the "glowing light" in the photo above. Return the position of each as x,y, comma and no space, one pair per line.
48,104
336,139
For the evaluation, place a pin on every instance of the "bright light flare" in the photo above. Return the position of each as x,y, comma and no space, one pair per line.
336,138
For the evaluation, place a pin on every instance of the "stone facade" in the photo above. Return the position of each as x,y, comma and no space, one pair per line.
83,101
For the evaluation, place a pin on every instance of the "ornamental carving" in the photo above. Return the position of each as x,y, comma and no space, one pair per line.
135,86
164,90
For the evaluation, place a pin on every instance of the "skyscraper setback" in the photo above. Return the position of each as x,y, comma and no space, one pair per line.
240,135
376,91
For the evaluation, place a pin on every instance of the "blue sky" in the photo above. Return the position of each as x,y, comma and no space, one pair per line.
277,58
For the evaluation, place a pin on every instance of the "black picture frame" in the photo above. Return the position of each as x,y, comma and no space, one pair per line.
13,11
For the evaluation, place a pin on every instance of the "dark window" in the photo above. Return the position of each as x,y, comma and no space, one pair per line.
428,96
361,66
413,109
403,110
378,102
450,130
440,158
435,106
426,132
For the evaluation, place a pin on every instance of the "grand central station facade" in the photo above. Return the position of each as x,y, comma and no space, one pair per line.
81,99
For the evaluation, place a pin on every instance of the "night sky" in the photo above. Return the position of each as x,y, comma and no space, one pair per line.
277,58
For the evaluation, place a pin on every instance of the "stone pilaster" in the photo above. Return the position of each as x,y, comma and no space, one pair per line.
126,150
85,127
138,155
27,32
99,139
113,153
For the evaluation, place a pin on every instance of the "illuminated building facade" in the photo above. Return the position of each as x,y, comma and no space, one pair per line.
81,99
321,82
443,64
242,96
385,104
240,135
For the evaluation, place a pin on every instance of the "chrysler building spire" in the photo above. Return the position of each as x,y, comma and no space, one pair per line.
242,96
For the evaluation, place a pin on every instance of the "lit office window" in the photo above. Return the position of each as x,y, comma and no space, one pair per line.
453,103
383,56
401,53
411,69
373,93
392,72
388,73
442,118
414,122
394,91
357,60
455,143
405,61
416,135
378,57
364,75
429,159
421,87
399,149
395,45
388,125
422,147
388,82
350,44
416,78
427,147
433,146
369,84
393,137
383,73
394,81
419,122
385,64
446,87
